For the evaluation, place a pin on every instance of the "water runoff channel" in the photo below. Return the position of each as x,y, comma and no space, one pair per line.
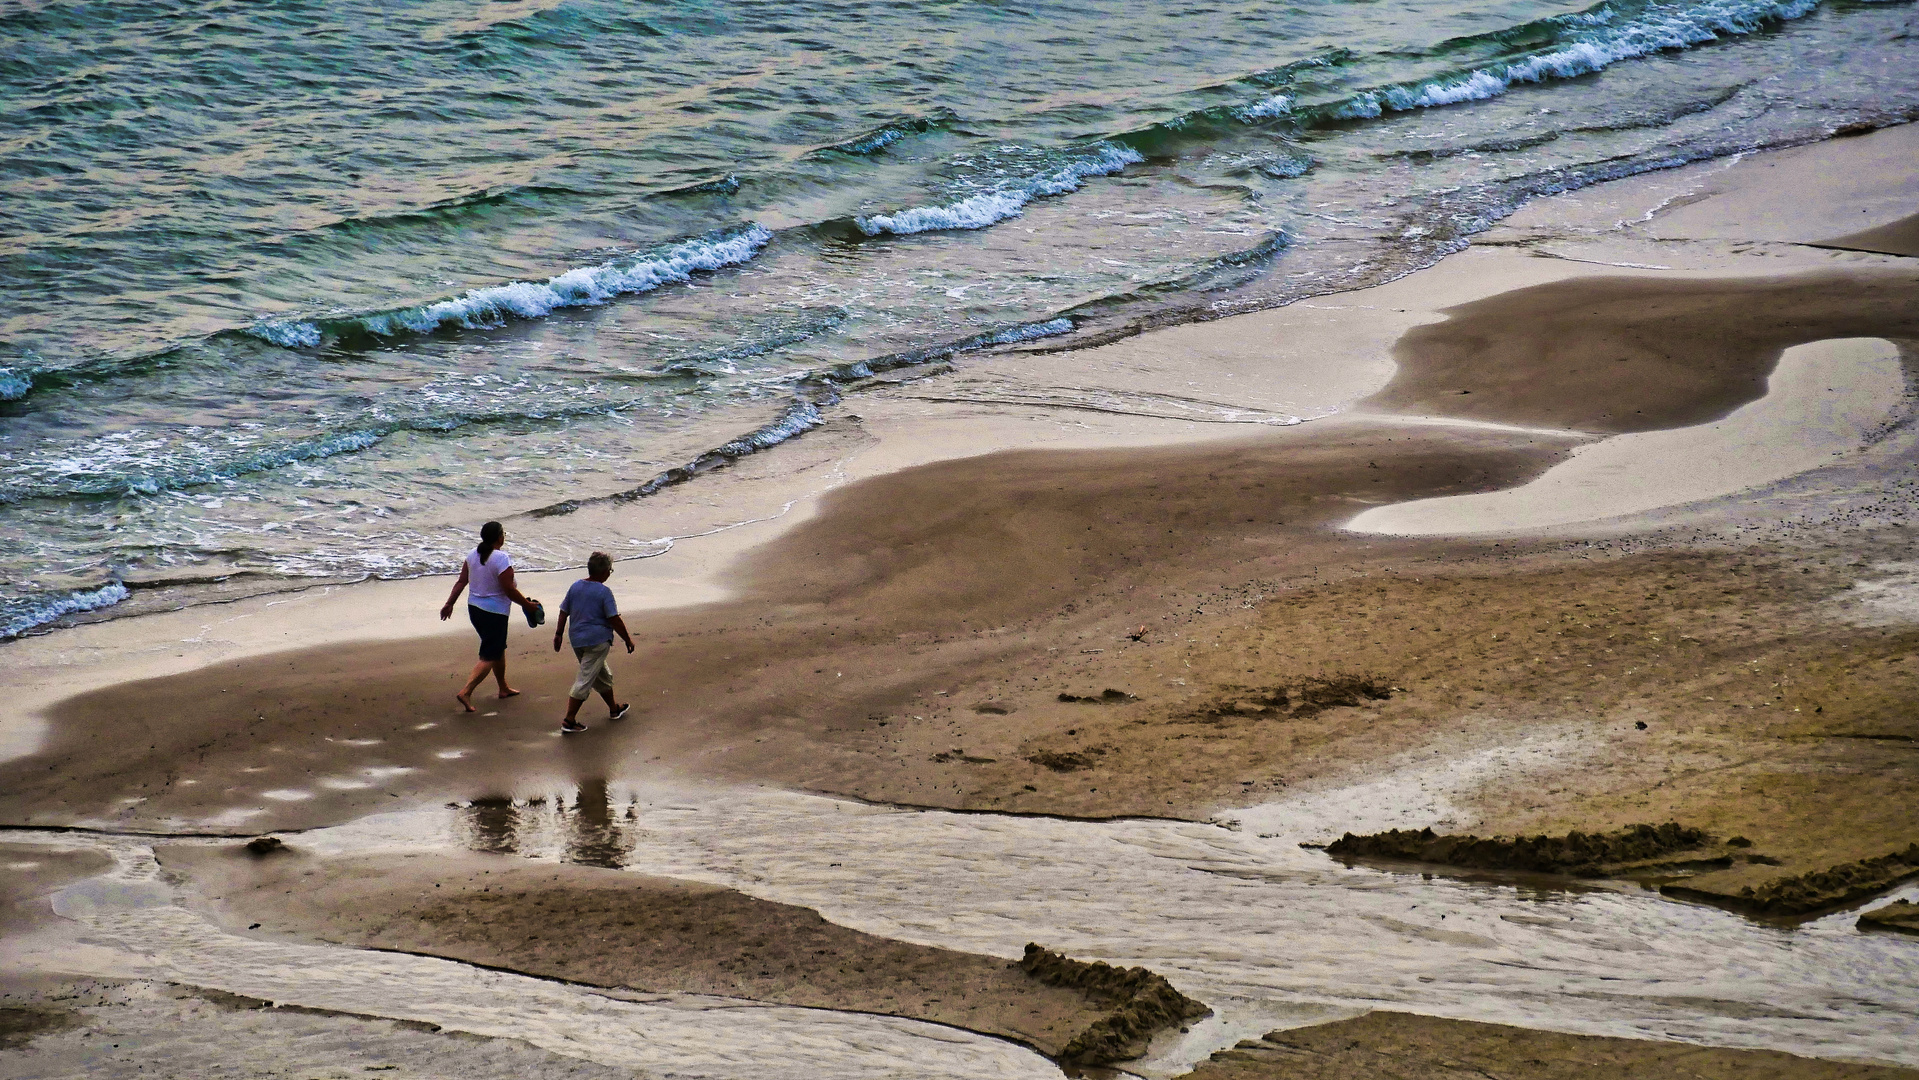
1233,911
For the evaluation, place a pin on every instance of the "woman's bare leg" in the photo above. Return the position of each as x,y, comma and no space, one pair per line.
465,696
499,676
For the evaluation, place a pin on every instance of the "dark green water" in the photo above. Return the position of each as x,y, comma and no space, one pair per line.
306,290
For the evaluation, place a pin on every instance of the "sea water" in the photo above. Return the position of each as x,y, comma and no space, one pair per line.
303,292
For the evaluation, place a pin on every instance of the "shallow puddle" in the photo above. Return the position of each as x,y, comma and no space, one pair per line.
129,925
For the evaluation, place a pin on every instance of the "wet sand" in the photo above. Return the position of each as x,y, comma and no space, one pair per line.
946,635
1899,238
29,873
116,1027
604,928
1428,1048
1616,355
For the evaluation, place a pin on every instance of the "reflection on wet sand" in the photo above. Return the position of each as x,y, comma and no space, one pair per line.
587,825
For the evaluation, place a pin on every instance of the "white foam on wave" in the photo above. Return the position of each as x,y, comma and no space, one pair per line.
1006,200
1657,28
139,462
797,419
581,287
40,614
15,385
1030,332
1265,109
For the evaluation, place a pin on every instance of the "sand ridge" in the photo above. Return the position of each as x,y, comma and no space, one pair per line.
601,927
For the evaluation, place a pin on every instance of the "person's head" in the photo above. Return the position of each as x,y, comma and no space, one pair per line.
599,566
492,535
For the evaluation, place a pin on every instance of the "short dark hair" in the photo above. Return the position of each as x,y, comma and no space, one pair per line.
599,563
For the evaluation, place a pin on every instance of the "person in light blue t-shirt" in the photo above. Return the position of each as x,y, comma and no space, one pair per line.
596,618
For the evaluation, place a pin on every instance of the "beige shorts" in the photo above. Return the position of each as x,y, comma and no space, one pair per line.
594,674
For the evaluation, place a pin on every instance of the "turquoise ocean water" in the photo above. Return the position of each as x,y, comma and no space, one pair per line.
291,288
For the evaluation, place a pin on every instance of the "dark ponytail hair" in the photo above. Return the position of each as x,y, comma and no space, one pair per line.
491,534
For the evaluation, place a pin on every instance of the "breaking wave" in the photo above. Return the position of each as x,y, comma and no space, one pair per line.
1007,197
1582,43
1558,47
494,305
21,615
16,383
872,142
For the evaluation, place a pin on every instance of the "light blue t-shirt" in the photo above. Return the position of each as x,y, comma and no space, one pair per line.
587,607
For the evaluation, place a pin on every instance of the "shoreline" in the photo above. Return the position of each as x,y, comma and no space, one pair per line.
907,436
945,615
723,438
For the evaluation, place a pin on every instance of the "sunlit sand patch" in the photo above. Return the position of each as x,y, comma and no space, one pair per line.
1823,400
1893,598
385,772
339,783
226,819
286,795
452,755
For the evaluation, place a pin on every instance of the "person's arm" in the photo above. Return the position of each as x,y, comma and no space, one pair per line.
513,591
559,627
619,627
458,587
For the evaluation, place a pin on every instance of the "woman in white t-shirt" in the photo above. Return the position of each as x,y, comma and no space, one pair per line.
489,572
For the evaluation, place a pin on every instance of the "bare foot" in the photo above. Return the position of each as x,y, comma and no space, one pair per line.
464,703
509,692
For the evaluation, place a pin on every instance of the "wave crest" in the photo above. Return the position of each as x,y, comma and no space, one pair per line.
1584,42
872,142
30,611
1006,198
494,305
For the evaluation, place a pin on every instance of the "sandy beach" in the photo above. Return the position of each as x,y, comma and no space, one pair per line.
1604,520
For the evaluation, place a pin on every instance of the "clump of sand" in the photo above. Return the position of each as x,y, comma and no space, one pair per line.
1141,1003
1576,854
1819,890
1902,916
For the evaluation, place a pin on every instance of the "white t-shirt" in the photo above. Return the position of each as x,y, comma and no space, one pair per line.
483,581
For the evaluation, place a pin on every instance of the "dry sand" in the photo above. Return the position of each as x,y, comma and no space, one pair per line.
914,636
1899,238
